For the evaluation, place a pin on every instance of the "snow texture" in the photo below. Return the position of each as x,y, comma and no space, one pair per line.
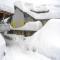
7,6
39,8
2,47
52,6
17,50
47,40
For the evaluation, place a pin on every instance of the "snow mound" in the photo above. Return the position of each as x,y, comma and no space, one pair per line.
32,26
7,6
47,40
14,53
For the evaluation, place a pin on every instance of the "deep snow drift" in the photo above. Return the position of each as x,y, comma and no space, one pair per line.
47,40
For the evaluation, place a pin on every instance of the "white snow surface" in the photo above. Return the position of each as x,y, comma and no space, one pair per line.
14,53
52,6
47,40
40,2
2,47
7,5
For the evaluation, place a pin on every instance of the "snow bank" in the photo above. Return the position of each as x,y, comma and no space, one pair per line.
47,40
7,6
2,47
14,53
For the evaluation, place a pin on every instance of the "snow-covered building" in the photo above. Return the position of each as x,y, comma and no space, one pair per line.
22,22
40,10
20,18
24,12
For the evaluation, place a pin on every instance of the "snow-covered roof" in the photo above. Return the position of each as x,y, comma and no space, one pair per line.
7,5
30,26
40,2
2,46
30,6
53,7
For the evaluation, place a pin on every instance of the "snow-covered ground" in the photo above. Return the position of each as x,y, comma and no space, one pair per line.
2,47
17,50
14,53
